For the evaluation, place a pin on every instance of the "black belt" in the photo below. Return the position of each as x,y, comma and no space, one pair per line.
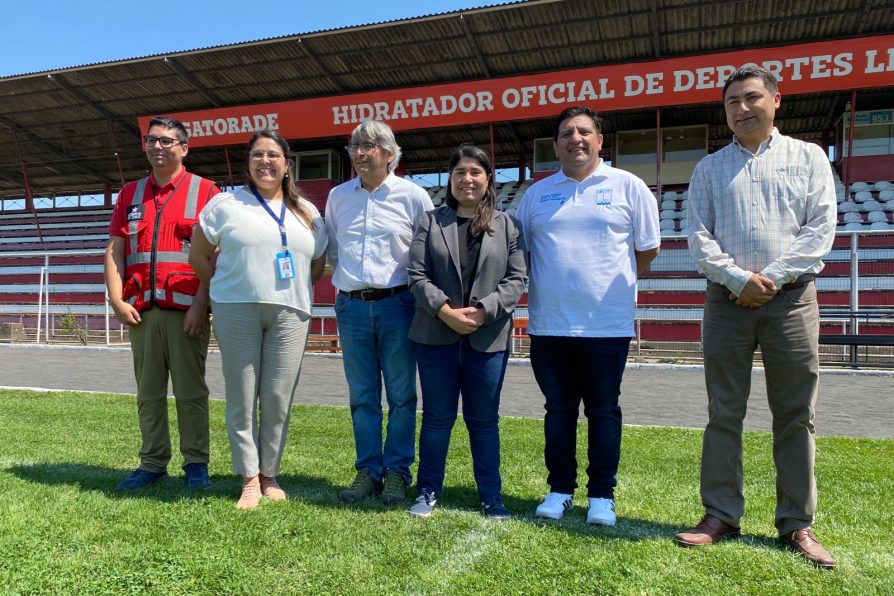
799,283
373,294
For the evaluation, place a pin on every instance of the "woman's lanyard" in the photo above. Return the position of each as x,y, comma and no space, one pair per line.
284,265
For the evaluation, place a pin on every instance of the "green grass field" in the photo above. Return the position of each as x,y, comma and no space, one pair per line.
64,529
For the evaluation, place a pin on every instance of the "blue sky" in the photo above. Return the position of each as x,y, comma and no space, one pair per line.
55,34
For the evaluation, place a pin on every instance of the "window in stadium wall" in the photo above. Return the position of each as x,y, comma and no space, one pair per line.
873,133
317,165
681,149
545,158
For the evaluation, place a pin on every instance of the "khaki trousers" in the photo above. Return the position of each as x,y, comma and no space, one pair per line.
161,348
787,330
261,348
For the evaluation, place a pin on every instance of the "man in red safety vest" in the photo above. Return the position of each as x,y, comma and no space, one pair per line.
155,292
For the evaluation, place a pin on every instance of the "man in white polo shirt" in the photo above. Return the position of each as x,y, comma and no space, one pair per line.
370,221
589,230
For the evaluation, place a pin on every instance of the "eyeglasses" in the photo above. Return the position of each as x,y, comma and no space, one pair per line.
258,154
165,142
362,148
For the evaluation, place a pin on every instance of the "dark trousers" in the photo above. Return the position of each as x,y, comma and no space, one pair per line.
570,370
445,372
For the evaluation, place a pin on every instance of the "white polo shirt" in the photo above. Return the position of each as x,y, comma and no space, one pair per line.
580,238
370,232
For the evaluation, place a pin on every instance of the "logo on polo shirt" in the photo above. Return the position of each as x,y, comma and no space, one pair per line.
603,196
552,197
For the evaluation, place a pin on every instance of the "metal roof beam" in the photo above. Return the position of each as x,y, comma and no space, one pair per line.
193,82
867,8
472,42
656,34
47,146
81,97
332,78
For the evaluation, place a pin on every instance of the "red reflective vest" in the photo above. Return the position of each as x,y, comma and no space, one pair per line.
157,269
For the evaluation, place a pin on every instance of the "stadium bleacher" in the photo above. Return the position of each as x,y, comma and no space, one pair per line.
671,294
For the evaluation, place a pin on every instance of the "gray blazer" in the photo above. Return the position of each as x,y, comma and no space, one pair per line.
435,278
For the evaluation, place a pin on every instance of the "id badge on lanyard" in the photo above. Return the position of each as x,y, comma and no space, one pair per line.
285,267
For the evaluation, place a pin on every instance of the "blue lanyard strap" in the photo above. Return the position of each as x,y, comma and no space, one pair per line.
281,220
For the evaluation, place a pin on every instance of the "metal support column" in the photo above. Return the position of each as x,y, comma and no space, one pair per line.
658,151
229,168
29,196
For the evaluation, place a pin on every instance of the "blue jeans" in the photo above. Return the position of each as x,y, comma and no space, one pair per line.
445,372
570,370
375,348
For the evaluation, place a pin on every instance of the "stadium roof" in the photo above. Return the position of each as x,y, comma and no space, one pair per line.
68,125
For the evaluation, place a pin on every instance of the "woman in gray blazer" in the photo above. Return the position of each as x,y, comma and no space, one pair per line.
467,273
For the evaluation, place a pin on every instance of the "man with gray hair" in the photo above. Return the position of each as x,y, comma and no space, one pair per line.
370,222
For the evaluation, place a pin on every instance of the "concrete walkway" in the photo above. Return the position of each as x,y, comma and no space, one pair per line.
852,403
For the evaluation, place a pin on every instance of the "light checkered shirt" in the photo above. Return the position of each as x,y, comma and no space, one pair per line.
772,213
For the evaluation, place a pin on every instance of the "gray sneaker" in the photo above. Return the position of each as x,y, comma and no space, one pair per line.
363,486
395,489
424,505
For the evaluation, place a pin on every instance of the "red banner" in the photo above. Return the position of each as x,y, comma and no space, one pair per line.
807,68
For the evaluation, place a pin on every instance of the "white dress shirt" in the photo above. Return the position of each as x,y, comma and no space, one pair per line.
370,232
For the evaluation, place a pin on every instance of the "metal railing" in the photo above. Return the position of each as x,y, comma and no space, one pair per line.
671,297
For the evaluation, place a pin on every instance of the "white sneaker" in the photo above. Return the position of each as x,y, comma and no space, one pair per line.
554,505
601,512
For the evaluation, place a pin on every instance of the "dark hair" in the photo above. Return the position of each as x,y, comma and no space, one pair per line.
168,122
290,195
752,71
488,204
576,111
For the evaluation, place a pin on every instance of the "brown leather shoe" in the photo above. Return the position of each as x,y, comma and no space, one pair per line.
805,544
708,531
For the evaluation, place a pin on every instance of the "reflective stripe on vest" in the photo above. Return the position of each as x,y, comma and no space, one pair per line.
133,226
143,258
189,212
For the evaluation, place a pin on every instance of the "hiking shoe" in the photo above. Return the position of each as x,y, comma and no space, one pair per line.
139,479
554,505
601,512
494,509
424,505
395,489
363,486
196,476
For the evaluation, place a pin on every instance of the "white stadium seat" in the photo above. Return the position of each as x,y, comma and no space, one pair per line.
881,225
854,227
870,205
876,216
862,195
846,206
856,186
884,185
853,217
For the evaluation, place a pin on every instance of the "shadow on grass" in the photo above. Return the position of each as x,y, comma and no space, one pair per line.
321,492
102,479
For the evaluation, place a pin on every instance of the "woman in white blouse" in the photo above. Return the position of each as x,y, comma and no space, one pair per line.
269,245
